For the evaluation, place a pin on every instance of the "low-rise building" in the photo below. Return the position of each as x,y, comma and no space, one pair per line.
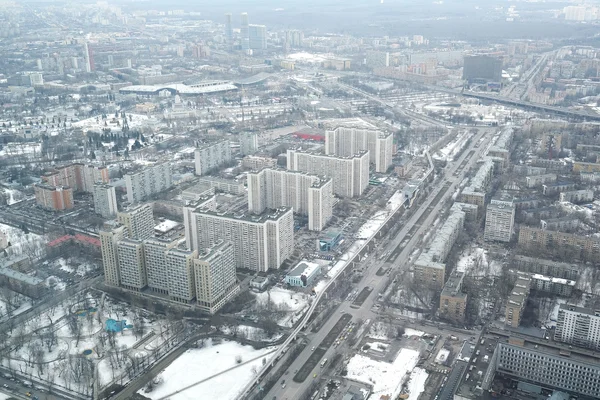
303,275
258,162
539,180
577,196
516,301
453,302
259,283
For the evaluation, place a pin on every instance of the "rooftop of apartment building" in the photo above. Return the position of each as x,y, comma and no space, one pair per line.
477,183
453,285
486,346
50,187
358,154
319,182
21,277
520,291
267,215
208,144
580,310
357,123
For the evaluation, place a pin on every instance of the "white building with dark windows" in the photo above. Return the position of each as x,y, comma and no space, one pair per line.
147,182
349,141
307,194
260,242
578,326
215,279
105,200
350,175
210,156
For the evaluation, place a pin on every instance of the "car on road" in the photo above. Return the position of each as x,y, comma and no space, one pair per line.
28,394
5,386
313,348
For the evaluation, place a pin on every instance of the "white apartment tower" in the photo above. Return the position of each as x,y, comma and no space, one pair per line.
350,175
578,326
110,254
260,242
248,143
214,272
138,222
132,264
309,195
257,37
499,221
157,270
105,200
349,141
211,156
149,181
180,267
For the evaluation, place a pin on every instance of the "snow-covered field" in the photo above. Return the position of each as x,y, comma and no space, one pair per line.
18,304
17,148
215,366
21,243
75,267
291,302
454,147
476,259
380,331
442,356
250,333
386,378
416,385
367,230
412,332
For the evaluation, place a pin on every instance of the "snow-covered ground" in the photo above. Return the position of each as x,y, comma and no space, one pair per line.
412,332
454,147
291,302
216,367
75,267
416,385
386,378
19,304
476,258
97,123
367,231
21,243
250,333
380,331
17,148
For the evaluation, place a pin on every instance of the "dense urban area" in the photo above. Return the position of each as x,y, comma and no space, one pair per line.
320,200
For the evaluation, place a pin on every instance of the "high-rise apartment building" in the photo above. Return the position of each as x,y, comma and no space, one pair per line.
180,267
228,30
248,143
499,221
378,59
110,254
260,242
54,198
244,33
578,326
350,175
80,177
89,58
138,222
349,141
294,38
309,195
482,68
132,264
157,270
257,37
212,155
105,200
147,182
214,272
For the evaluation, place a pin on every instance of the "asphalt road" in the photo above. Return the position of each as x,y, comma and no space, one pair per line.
293,390
18,390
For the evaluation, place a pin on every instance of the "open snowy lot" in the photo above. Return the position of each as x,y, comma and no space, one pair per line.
386,378
217,371
12,303
291,304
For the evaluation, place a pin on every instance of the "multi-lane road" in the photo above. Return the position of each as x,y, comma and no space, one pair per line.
400,250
